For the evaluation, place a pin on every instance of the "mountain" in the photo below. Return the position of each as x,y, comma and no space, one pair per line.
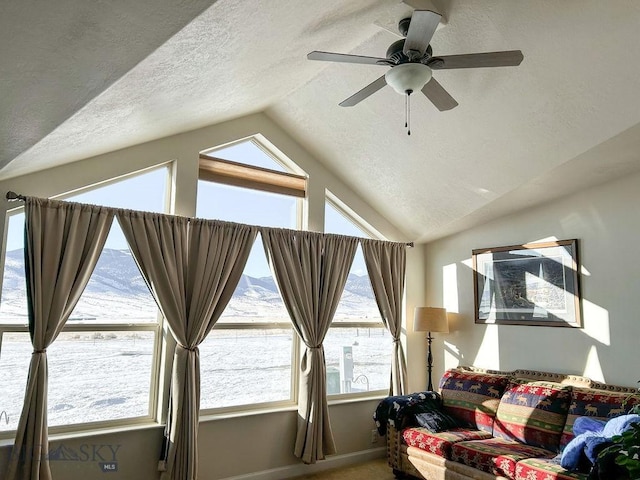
118,293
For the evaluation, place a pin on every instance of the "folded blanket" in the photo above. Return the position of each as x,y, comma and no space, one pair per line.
399,409
591,437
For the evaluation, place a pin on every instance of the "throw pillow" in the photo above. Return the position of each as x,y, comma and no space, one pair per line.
436,421
533,413
472,397
595,404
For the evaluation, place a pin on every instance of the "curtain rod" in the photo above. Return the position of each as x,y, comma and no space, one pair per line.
13,196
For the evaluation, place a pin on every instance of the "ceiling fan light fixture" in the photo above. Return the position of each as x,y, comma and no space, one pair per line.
407,78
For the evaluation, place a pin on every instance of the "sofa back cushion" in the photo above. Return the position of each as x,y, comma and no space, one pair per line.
596,404
472,397
533,413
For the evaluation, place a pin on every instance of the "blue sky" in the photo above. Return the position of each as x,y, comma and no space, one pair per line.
142,192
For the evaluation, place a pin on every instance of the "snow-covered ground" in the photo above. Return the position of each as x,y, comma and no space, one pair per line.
94,379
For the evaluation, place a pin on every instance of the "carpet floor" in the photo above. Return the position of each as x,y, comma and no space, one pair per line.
373,470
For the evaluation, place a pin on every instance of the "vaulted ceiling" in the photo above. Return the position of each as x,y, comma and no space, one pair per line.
82,78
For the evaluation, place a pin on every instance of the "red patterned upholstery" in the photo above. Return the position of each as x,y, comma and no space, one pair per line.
440,443
496,456
472,397
545,469
520,421
533,413
596,404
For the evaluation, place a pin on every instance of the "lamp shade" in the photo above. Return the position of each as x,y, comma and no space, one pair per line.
430,319
408,77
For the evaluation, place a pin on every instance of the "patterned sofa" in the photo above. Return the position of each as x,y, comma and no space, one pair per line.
517,423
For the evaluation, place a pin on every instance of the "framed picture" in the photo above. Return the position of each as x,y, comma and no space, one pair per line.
532,284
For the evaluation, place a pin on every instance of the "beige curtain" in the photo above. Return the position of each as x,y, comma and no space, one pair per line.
192,268
311,270
63,242
386,264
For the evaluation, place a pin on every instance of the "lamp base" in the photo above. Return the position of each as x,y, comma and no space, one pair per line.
429,361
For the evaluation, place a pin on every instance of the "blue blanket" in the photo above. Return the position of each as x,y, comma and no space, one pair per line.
591,436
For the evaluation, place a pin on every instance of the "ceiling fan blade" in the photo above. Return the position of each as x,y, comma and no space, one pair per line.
421,28
370,89
438,95
509,58
345,58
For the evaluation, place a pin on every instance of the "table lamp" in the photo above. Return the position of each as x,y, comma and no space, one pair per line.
430,319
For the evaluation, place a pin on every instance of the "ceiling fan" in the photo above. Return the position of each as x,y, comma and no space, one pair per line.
411,60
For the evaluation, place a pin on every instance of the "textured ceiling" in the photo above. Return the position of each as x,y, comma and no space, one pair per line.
82,78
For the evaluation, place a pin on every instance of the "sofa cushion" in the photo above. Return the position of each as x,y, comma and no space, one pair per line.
472,397
545,469
596,404
533,413
497,456
440,443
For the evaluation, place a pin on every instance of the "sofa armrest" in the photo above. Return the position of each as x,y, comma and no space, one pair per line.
394,442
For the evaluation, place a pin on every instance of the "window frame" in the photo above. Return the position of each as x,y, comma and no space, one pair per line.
258,179
155,328
257,407
349,215
157,386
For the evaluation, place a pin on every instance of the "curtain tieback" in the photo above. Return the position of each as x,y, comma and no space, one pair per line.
44,350
191,349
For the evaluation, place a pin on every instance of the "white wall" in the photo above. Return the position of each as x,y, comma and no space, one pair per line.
606,221
230,446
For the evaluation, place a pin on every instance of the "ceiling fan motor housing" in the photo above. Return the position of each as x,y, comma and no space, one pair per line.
396,55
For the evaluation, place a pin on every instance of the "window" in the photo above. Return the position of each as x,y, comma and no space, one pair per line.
102,367
358,347
246,361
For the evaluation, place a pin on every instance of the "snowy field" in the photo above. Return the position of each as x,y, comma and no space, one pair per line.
107,376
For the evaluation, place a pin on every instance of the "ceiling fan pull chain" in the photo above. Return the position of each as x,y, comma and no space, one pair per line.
408,112
406,109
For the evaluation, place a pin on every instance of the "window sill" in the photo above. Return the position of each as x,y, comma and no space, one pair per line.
61,436
229,414
204,418
342,399
214,416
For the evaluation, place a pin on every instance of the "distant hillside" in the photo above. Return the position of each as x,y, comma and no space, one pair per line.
117,292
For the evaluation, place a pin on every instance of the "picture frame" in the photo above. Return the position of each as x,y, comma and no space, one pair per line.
534,284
